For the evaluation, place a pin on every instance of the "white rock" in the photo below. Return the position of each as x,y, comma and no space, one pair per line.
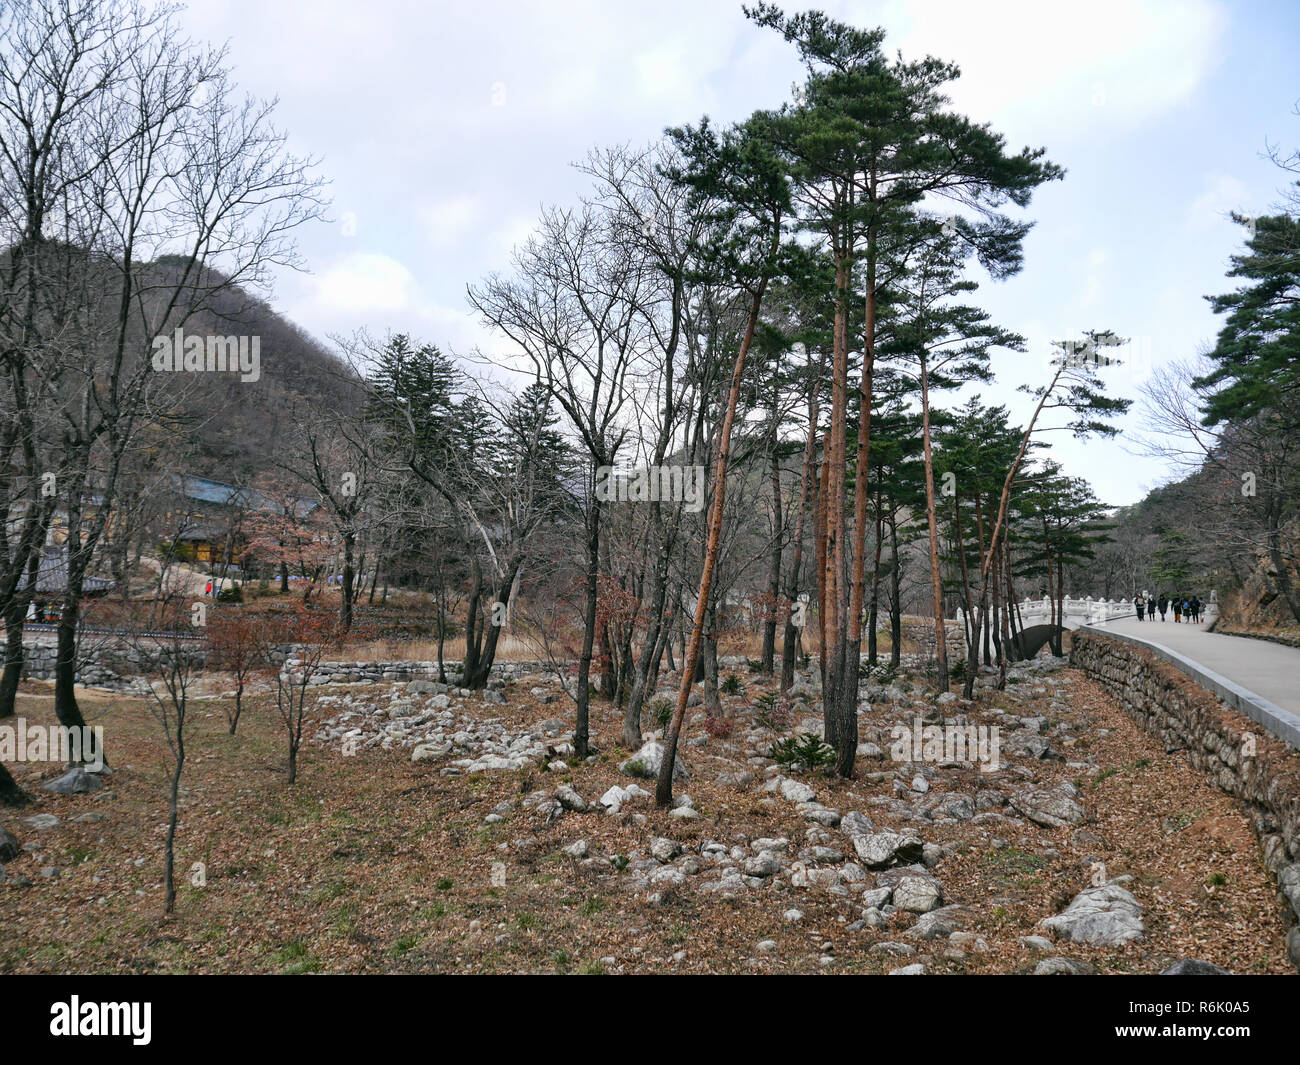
797,791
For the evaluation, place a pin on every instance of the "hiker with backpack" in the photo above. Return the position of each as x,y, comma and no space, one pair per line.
1141,605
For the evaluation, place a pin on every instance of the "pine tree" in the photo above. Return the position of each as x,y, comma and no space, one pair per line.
1258,348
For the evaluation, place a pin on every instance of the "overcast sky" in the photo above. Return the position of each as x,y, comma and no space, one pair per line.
444,127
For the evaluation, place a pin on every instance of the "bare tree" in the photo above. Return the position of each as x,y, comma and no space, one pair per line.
167,189
572,311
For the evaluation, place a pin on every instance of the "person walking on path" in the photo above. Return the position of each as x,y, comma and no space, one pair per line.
1141,605
1178,608
1196,609
1163,604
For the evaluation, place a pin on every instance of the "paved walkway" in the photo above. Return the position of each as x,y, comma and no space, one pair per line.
1269,670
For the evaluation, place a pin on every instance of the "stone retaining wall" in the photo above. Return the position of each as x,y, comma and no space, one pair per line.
102,667
112,664
363,672
1218,741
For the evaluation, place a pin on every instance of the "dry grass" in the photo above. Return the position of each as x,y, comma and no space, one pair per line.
509,649
375,864
515,647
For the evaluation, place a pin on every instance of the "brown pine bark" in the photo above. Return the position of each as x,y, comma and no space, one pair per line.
664,786
936,577
796,561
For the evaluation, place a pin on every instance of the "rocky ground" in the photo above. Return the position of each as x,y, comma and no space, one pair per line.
438,829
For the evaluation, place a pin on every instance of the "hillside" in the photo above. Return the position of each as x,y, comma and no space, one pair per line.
233,425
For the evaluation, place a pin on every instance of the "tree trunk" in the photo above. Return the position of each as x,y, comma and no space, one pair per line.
13,667
712,705
345,603
65,662
791,634
664,786
10,793
477,679
847,693
652,648
936,577
873,655
986,563
774,570
896,597
173,815
580,733
835,709
472,637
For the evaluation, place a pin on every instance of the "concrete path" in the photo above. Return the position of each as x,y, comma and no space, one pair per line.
1270,671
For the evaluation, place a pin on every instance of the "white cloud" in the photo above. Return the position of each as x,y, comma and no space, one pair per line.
448,221
365,281
1222,195
1113,62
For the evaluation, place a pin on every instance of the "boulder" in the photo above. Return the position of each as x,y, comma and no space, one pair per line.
664,849
856,823
647,762
939,923
1194,967
10,848
75,781
879,849
1104,916
1049,809
917,894
797,791
763,865
1062,967
570,799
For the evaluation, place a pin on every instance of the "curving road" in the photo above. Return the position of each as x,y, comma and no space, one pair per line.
1268,669
1262,678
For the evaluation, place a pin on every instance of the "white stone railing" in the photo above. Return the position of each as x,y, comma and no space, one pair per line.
1088,611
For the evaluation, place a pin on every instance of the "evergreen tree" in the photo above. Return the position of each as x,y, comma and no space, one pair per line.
1257,353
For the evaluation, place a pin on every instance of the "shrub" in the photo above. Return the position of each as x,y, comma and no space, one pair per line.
718,726
661,711
806,751
772,712
731,685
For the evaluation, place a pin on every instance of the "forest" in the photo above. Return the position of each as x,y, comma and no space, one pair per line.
739,412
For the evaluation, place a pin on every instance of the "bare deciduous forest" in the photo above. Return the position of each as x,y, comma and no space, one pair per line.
730,608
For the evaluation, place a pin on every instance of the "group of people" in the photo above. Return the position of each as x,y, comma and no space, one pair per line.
1183,607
